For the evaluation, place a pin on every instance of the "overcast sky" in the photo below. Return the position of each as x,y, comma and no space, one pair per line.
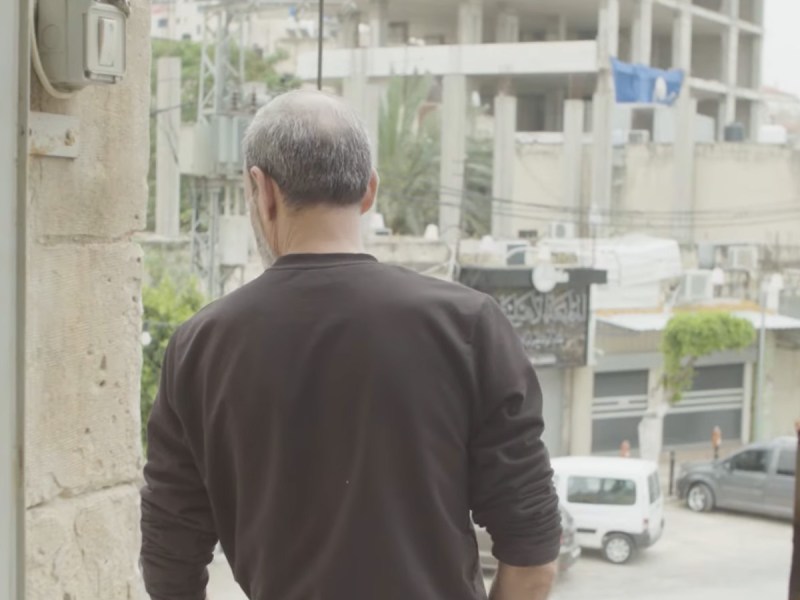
782,45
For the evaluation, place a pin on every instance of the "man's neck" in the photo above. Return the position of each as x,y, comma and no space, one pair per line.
336,231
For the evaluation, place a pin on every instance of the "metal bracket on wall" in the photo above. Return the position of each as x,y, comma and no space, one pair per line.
53,135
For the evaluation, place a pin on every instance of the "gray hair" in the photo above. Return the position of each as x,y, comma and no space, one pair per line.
313,146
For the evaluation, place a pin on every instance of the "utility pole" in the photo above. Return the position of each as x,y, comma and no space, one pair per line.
222,112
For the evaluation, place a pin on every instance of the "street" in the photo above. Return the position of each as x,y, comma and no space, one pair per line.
701,556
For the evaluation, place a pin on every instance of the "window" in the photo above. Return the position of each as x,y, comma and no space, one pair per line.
162,23
787,463
596,490
654,487
752,461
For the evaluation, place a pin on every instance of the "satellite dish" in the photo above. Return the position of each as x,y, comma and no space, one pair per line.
545,278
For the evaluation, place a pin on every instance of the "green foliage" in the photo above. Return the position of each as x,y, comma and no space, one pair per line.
408,156
409,141
690,336
167,304
257,68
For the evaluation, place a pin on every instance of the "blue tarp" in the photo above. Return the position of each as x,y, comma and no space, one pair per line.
637,83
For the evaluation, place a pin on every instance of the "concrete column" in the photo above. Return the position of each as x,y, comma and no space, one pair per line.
685,145
365,97
378,23
505,129
603,105
602,145
574,118
730,67
168,131
507,30
642,32
83,351
453,155
682,38
580,438
608,35
349,24
470,22
553,107
757,109
556,29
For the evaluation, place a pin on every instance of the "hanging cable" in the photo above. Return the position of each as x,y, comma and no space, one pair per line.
37,61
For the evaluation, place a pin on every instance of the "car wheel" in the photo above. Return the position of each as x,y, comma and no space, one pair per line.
700,498
618,548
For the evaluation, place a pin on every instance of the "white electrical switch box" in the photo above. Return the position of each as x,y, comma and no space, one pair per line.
81,42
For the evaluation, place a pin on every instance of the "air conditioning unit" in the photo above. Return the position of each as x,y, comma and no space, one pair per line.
742,258
562,231
697,286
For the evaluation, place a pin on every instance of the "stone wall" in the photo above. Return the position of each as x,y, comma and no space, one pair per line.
83,451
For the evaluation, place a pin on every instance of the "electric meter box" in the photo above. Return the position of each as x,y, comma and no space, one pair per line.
81,42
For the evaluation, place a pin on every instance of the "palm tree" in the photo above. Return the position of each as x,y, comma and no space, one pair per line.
409,137
408,157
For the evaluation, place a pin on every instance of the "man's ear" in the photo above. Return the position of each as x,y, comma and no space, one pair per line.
372,193
265,195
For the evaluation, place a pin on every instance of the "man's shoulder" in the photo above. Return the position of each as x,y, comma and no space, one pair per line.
426,287
222,311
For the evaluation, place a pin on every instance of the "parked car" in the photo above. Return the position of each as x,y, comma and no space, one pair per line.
758,479
616,502
570,551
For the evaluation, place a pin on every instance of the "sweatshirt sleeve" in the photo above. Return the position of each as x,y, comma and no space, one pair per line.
511,480
178,533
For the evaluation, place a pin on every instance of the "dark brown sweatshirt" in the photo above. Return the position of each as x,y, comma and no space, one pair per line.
333,424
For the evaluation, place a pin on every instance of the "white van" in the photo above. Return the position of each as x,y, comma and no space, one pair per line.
616,503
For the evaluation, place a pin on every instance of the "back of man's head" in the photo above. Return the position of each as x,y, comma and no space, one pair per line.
313,146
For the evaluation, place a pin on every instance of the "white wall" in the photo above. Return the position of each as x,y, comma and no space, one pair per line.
751,193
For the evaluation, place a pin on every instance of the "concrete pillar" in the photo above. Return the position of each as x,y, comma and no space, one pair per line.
470,22
505,129
685,145
507,30
553,107
580,438
168,131
574,118
730,67
349,24
603,105
453,155
556,29
83,352
365,97
378,23
757,109
682,38
608,34
642,32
